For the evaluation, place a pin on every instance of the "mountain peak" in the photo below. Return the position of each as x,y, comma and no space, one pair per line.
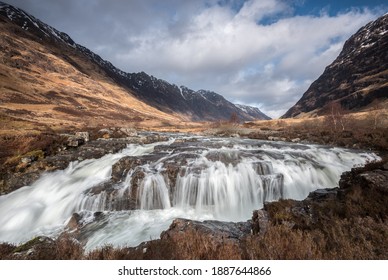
202,105
34,25
253,111
356,78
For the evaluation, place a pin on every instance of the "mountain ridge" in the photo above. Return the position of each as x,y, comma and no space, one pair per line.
355,79
160,94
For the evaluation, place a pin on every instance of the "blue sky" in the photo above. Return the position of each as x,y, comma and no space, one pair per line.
263,53
334,7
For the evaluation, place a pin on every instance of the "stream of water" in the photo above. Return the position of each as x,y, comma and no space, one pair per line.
217,179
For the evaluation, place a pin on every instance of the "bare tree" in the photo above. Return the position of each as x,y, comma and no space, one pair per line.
377,115
234,119
337,116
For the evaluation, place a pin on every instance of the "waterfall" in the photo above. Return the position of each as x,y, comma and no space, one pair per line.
215,179
44,207
229,191
154,193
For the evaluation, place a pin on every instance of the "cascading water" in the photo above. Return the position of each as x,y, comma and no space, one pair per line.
217,179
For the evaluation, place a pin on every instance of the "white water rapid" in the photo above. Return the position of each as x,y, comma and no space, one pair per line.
218,179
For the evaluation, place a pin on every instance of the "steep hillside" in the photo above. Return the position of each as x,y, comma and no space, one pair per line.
44,72
46,80
355,79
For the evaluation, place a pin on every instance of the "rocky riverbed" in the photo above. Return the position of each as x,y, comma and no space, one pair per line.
326,217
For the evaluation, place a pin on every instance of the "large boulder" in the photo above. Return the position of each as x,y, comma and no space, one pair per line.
217,231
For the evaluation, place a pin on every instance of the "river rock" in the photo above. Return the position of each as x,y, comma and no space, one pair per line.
377,178
171,171
154,138
83,135
39,248
121,168
74,142
129,132
74,221
323,194
216,231
226,158
260,222
27,160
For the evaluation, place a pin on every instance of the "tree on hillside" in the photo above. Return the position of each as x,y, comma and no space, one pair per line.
336,116
234,119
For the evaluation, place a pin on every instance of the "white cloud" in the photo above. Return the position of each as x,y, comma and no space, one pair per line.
258,54
254,63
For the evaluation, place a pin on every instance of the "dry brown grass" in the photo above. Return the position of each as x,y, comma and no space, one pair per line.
42,248
353,239
366,130
280,242
114,253
16,146
194,246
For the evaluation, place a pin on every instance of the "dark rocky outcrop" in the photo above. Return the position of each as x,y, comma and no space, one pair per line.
355,79
215,234
217,230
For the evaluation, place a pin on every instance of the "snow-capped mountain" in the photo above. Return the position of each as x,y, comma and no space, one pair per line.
34,25
356,78
253,111
198,105
169,98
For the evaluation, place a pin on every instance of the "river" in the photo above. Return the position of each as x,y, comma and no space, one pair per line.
214,179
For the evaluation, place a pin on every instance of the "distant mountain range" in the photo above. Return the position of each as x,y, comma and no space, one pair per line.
45,76
41,65
357,78
198,105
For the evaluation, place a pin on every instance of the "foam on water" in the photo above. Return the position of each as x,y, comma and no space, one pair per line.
221,183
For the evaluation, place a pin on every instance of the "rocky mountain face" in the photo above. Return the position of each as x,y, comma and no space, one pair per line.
357,77
166,98
196,105
253,111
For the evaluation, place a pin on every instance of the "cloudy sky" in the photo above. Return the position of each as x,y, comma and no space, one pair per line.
263,53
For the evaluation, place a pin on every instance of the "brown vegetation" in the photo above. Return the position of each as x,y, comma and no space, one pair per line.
14,147
366,130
